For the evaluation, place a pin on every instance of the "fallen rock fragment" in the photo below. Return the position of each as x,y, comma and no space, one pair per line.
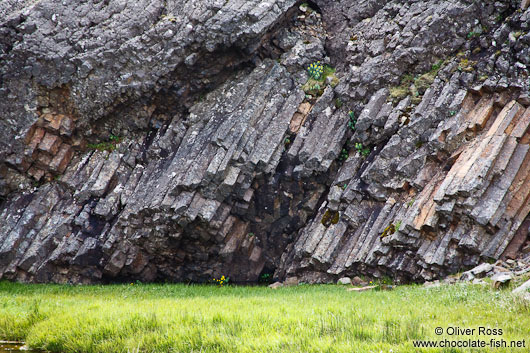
522,288
291,281
482,270
467,276
501,279
358,281
344,281
275,285
433,284
450,280
361,289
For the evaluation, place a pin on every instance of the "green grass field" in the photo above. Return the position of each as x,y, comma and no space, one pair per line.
320,318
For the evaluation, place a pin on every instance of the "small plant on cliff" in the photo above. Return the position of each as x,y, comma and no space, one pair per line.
306,8
109,145
265,278
363,151
415,86
398,225
316,70
390,229
221,281
168,17
466,65
329,218
319,76
472,34
343,155
352,121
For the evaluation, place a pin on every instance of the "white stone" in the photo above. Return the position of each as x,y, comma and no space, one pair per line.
522,288
344,280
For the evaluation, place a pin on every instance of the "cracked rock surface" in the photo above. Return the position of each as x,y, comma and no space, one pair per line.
182,140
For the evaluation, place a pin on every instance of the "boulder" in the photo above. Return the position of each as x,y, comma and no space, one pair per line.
501,279
467,276
482,270
358,281
523,288
291,281
275,285
433,284
344,280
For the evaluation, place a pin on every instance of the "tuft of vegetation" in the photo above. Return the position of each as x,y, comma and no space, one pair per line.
315,85
390,229
466,65
473,34
222,281
109,145
306,8
265,278
363,151
237,319
330,217
169,17
315,70
398,225
343,155
415,86
352,122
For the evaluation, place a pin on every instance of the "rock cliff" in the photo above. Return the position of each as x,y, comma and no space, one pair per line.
185,140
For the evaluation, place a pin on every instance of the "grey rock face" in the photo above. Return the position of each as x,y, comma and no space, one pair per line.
174,140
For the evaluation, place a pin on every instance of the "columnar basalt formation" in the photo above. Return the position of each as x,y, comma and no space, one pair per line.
472,205
181,141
